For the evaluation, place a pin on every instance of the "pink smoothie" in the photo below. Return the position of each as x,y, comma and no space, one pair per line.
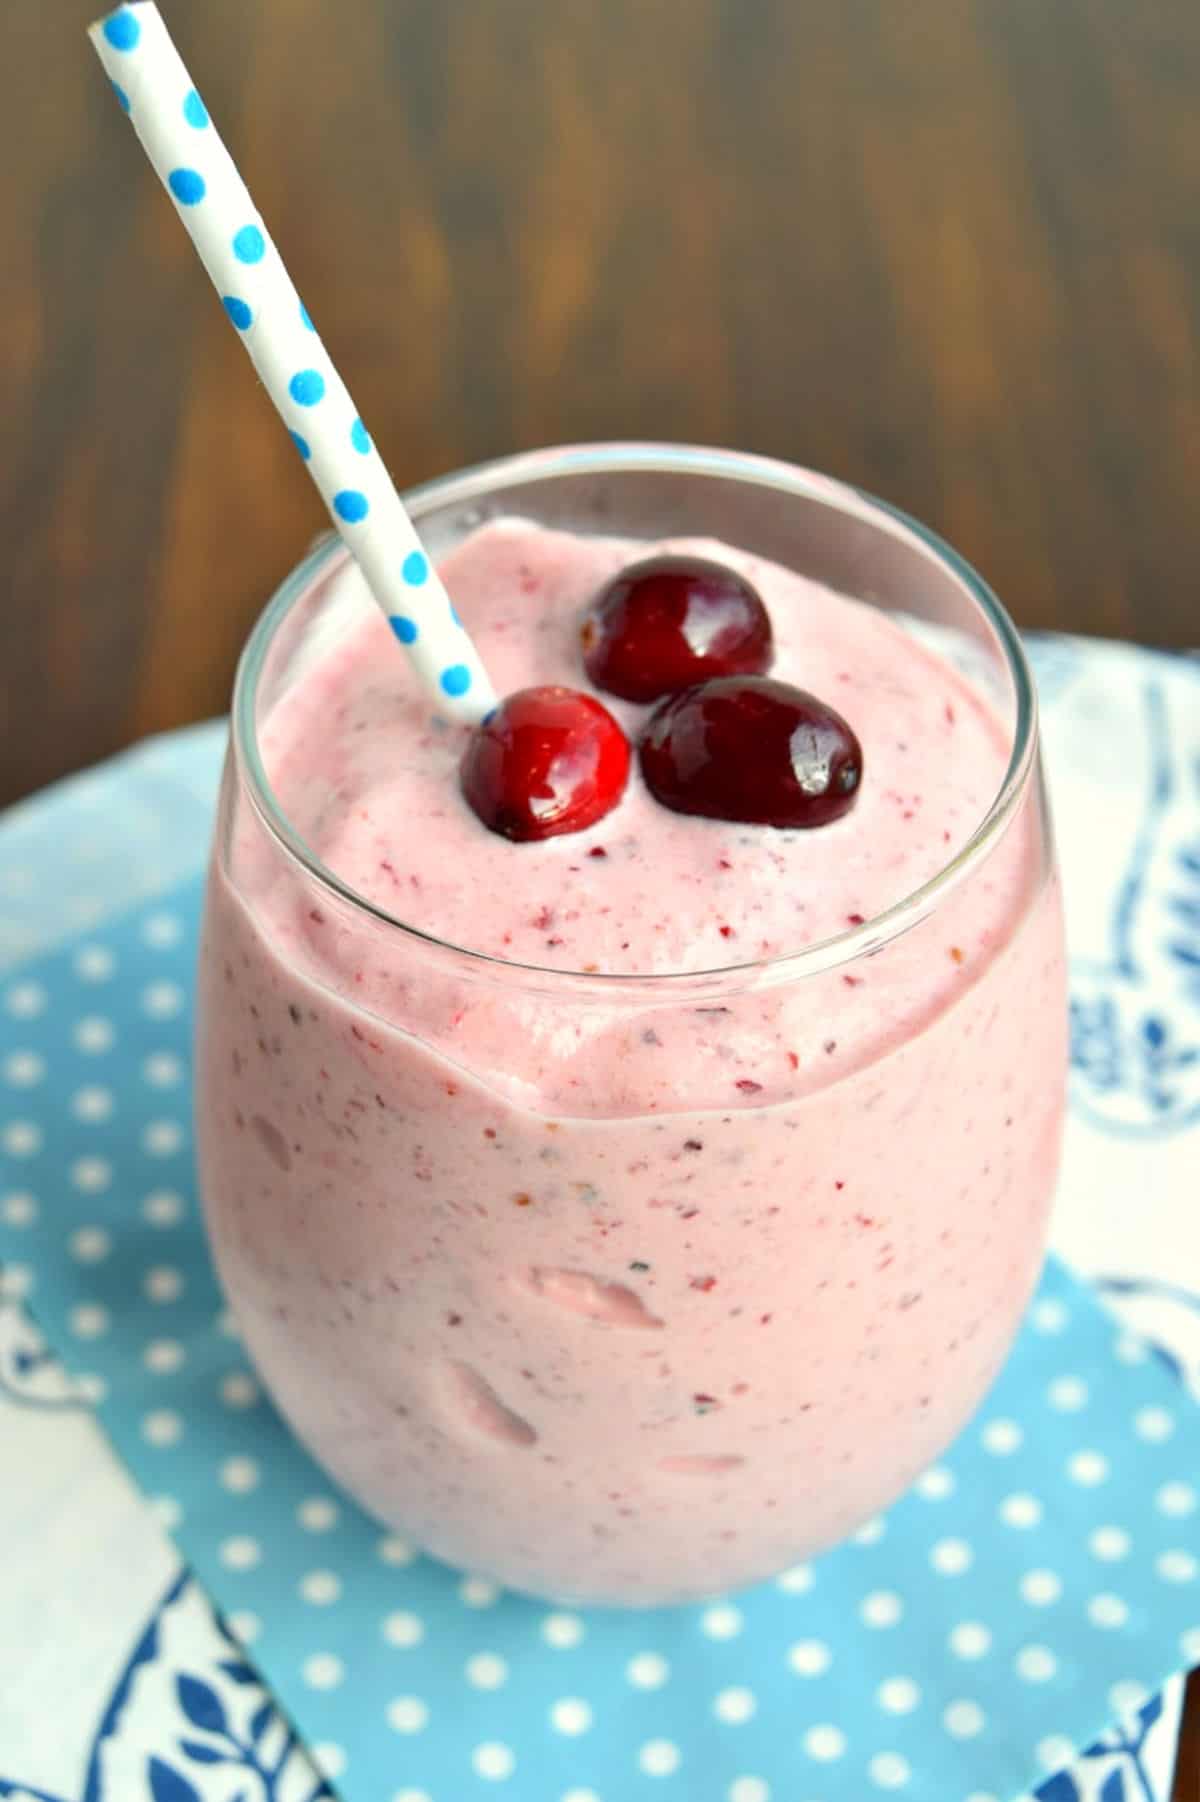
610,1288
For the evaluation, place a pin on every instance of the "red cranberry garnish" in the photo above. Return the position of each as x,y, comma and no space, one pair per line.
751,749
668,622
547,760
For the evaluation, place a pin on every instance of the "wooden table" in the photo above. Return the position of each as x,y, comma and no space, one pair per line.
948,249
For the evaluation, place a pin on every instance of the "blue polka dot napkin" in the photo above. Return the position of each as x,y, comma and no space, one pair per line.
1038,1583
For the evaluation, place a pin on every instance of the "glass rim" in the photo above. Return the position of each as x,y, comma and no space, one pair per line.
479,480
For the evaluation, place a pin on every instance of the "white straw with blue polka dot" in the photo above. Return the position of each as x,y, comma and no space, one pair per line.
155,90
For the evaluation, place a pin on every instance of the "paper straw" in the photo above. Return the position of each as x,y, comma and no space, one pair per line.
155,90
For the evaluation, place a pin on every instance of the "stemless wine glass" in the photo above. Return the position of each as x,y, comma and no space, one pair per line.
605,1394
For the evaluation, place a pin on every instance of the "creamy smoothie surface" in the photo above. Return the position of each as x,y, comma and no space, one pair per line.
630,1293
371,782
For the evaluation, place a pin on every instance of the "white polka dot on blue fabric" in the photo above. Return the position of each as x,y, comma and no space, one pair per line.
317,1514
164,1356
94,963
493,1759
898,1695
16,1281
563,1631
571,1716
88,1320
162,1070
21,1138
162,1427
951,1557
162,1000
321,1588
1049,1315
1087,1468
970,1640
1067,1394
1107,1611
240,1552
478,1592
1176,1499
721,1622
1109,1544
659,1758
1021,1511
1036,1664
882,1608
25,1000
239,1475
89,1244
23,1069
1055,1752
486,1670
749,1789
963,1719
889,1770
92,1104
1154,1424
394,1550
163,1284
162,1138
19,1208
163,1208
810,1657
323,1670
329,1758
403,1629
735,1705
825,1742
648,1670
408,1714
1041,1588
91,1174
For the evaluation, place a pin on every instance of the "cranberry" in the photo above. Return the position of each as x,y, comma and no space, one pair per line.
668,622
752,749
546,761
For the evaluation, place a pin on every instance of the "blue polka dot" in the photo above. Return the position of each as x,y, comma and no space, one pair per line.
305,318
454,614
122,96
405,629
457,679
238,311
307,387
360,438
302,445
415,568
249,245
195,111
187,185
351,504
122,30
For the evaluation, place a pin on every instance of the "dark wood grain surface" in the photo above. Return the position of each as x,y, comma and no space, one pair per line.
948,250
